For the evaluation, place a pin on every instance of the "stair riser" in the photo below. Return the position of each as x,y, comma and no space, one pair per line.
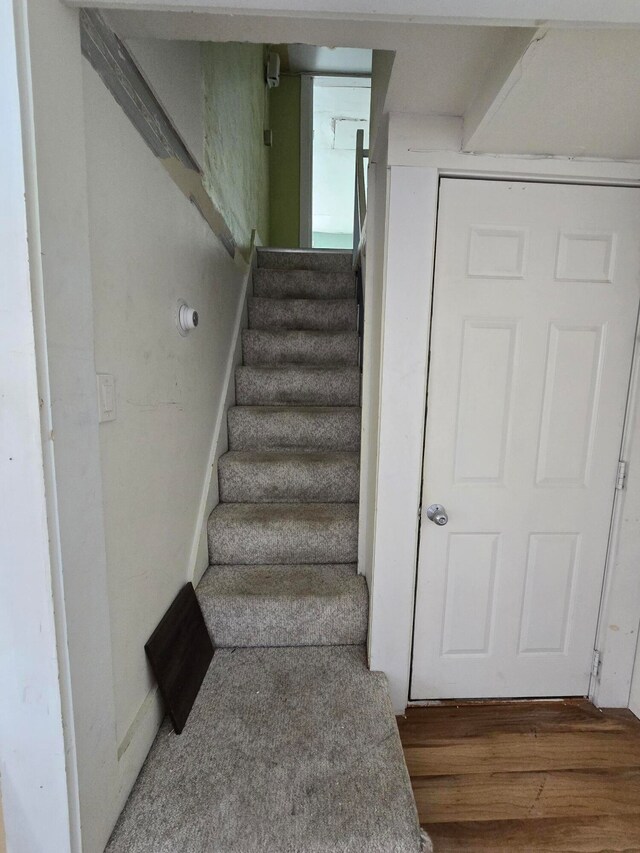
303,284
295,347
320,261
289,481
320,314
294,429
312,611
284,542
280,387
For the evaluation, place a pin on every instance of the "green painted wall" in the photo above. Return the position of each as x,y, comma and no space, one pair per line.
236,161
284,164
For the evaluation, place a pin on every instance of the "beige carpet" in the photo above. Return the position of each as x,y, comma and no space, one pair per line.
292,750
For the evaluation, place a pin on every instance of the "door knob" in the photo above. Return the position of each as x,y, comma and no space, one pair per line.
438,514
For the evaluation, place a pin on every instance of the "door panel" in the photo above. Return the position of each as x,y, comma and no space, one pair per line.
534,316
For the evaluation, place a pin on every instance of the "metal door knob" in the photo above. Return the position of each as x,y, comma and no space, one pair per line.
438,514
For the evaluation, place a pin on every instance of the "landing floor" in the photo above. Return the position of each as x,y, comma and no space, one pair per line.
550,776
286,750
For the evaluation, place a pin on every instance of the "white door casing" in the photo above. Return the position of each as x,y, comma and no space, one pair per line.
534,317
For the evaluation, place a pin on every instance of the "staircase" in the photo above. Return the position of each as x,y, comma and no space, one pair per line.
283,541
291,745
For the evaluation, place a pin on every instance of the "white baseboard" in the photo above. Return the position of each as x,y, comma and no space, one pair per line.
199,557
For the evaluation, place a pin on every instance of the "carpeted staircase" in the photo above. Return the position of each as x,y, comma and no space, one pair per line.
283,542
292,745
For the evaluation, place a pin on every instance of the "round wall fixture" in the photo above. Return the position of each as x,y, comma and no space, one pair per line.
187,318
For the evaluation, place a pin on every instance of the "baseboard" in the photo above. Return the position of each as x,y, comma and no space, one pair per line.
199,558
135,745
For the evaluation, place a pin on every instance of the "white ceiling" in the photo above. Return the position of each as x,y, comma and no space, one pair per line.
555,92
575,92
329,60
518,13
437,68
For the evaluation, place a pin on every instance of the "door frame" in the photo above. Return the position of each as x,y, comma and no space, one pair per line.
420,153
306,159
633,396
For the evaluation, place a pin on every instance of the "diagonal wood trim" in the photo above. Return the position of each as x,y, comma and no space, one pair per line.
117,69
120,74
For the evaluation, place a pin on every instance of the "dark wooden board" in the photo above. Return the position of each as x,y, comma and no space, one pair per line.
180,651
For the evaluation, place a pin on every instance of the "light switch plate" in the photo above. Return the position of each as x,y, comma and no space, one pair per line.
106,397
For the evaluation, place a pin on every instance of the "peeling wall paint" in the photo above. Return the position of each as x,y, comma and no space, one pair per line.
236,161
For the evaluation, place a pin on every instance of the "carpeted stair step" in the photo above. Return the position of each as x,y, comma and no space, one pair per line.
321,314
323,260
260,533
308,385
294,428
286,750
303,284
284,605
267,346
287,477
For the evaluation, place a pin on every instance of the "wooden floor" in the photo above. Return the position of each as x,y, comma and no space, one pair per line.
534,776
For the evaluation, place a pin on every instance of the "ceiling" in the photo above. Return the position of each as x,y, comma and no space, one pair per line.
329,60
573,92
437,68
520,91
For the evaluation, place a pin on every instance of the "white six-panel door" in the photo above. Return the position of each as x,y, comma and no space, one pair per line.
534,318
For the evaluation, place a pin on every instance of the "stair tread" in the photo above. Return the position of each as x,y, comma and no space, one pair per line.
304,367
305,334
296,384
299,346
274,476
297,581
326,260
299,605
318,514
321,314
309,458
292,301
291,427
297,283
285,533
292,410
312,459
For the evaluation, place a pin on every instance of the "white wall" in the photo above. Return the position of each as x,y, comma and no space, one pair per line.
33,772
173,69
58,231
66,771
375,248
149,248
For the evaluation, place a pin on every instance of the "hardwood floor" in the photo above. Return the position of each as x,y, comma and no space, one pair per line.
554,777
